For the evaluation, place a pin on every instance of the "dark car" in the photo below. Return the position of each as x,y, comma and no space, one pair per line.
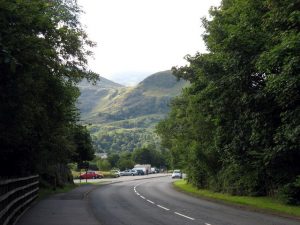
91,175
140,172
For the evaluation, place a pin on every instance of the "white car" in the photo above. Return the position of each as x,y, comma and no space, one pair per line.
176,174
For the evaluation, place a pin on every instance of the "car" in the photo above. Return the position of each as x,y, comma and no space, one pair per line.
177,174
140,172
91,175
128,173
115,173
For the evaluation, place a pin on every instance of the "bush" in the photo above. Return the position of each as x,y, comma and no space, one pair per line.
290,193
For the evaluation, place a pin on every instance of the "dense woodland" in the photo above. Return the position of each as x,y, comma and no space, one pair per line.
43,55
236,128
122,140
147,154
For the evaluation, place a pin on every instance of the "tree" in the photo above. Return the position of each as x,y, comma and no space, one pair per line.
147,155
84,150
113,159
235,129
125,161
102,164
43,53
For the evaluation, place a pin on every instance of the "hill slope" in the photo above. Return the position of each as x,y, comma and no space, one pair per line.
122,118
91,95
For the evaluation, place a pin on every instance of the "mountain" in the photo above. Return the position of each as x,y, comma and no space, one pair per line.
91,95
122,118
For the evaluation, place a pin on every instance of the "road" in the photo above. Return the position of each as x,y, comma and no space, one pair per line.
155,202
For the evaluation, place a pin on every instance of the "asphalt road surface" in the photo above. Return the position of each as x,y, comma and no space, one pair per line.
155,202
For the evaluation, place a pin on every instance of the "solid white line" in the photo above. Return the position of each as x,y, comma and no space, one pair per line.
207,224
184,216
163,207
142,196
150,201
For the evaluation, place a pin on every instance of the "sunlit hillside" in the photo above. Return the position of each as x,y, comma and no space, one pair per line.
122,118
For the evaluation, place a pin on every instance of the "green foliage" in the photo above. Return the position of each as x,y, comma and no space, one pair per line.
113,159
236,128
290,193
43,52
119,140
125,161
103,164
148,155
84,148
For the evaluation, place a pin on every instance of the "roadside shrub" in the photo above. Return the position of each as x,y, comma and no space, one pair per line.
241,180
290,193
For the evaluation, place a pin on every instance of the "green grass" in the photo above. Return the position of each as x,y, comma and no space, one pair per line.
263,203
45,192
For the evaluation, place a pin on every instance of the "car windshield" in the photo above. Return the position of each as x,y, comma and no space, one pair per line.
176,171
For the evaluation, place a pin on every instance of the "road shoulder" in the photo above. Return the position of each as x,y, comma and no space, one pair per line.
69,208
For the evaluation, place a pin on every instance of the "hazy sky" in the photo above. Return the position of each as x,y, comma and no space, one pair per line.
136,38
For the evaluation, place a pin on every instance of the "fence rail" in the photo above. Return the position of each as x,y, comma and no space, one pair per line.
16,195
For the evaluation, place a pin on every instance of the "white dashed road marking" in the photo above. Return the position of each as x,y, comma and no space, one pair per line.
184,216
150,201
163,207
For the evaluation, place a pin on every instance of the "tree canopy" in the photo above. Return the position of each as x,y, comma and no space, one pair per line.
236,129
43,54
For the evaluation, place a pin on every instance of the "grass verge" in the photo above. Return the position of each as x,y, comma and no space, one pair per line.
256,203
45,192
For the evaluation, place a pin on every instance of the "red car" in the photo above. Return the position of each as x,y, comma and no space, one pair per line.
91,175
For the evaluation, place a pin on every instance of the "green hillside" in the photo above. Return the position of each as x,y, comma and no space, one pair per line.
91,95
122,118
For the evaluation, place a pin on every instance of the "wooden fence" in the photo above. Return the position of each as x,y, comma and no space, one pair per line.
16,195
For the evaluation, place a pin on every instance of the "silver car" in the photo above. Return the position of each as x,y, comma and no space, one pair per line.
129,173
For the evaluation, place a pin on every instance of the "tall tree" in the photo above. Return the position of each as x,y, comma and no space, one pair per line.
241,111
43,53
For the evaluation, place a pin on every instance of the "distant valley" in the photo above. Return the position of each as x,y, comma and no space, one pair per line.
123,118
